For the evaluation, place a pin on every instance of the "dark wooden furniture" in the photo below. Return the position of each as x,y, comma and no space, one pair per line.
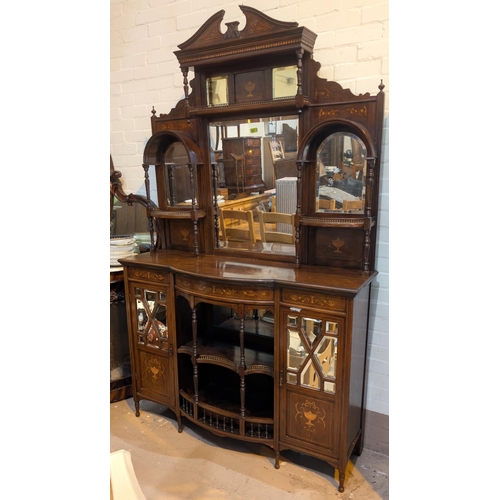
242,166
249,343
120,374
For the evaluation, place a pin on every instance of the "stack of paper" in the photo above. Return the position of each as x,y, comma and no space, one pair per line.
120,248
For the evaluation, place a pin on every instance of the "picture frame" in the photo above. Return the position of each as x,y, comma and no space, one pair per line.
277,150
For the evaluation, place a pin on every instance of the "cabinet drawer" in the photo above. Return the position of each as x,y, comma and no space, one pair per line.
252,142
252,153
299,298
224,291
253,171
142,274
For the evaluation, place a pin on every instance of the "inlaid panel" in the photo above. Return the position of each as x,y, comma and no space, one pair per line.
223,290
308,299
154,374
141,274
311,420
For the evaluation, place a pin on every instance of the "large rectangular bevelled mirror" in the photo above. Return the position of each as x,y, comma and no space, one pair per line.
257,177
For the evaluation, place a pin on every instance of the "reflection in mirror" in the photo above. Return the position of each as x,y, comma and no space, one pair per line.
309,376
284,81
311,328
151,318
217,91
296,351
257,172
340,174
326,356
178,176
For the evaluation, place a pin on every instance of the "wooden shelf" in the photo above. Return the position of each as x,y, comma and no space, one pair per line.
285,105
182,213
228,355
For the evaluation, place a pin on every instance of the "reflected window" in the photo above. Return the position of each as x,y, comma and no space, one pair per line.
340,174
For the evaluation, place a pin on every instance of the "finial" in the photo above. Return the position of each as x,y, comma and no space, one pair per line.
153,111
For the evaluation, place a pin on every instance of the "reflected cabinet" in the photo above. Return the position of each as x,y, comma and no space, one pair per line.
249,316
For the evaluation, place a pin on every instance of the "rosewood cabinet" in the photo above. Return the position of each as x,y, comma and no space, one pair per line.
263,342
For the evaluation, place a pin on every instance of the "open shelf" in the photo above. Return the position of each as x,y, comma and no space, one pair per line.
228,355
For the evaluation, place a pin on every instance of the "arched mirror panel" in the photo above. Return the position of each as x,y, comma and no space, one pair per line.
172,182
341,173
338,160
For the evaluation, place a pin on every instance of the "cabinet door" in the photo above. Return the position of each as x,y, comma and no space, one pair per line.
309,380
152,344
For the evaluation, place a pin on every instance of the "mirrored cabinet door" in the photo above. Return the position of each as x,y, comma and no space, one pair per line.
311,355
151,318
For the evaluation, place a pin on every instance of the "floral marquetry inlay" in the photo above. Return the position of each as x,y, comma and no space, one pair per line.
337,303
155,368
257,26
175,126
311,416
222,290
330,113
146,274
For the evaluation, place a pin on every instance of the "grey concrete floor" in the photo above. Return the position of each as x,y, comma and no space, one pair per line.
196,464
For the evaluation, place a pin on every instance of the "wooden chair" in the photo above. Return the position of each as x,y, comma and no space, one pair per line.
273,235
353,205
239,168
326,204
237,225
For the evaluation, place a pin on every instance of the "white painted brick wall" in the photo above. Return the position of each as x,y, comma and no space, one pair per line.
352,47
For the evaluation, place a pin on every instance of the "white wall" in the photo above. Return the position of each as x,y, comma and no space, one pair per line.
353,49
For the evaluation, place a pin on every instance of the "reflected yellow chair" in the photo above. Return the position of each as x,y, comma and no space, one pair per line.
326,204
269,235
353,205
237,225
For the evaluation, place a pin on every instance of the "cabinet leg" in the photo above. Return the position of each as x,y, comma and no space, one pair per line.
179,424
137,413
277,459
341,480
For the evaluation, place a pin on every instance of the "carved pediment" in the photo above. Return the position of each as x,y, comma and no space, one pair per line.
257,23
261,34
